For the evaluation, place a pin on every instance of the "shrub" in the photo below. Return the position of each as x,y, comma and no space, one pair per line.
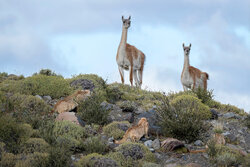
34,160
54,86
29,109
47,72
4,102
183,117
68,133
218,128
150,164
35,145
12,133
91,110
95,144
2,149
132,154
8,160
59,156
204,95
116,129
46,131
3,76
232,108
247,121
145,99
93,160
223,155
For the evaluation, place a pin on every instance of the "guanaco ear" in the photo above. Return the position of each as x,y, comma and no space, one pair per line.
122,18
190,45
183,45
129,17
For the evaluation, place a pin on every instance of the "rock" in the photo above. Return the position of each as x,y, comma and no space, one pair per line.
152,118
156,144
117,115
111,140
214,113
230,137
39,97
231,115
139,111
198,143
71,102
47,98
104,161
172,165
84,84
151,149
128,106
171,144
112,146
248,151
107,106
134,151
148,143
70,116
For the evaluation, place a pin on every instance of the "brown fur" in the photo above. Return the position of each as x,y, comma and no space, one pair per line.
136,132
72,100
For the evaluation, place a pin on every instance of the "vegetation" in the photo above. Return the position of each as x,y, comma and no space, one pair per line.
95,144
91,111
115,130
183,117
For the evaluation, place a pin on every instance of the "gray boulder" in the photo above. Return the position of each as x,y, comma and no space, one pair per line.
83,83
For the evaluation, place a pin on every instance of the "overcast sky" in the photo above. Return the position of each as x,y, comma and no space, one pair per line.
80,36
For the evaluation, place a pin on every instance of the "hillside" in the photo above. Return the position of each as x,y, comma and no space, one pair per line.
48,121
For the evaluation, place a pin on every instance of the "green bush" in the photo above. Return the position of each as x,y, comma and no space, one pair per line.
47,72
4,103
29,109
2,149
35,145
91,110
223,155
34,160
204,95
247,121
183,117
93,160
113,129
54,86
232,108
132,154
95,144
13,134
70,134
59,156
8,160
3,76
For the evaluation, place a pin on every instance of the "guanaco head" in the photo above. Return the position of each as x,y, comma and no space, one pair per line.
143,120
186,49
126,22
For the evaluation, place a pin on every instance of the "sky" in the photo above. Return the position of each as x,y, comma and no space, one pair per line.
82,36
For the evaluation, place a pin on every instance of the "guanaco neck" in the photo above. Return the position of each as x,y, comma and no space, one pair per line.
124,37
186,62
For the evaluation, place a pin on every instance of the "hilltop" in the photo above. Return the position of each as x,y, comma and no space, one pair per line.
185,128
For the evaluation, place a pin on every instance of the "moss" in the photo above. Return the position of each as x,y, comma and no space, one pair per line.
95,159
95,144
54,86
68,133
13,134
35,145
181,150
113,130
36,159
